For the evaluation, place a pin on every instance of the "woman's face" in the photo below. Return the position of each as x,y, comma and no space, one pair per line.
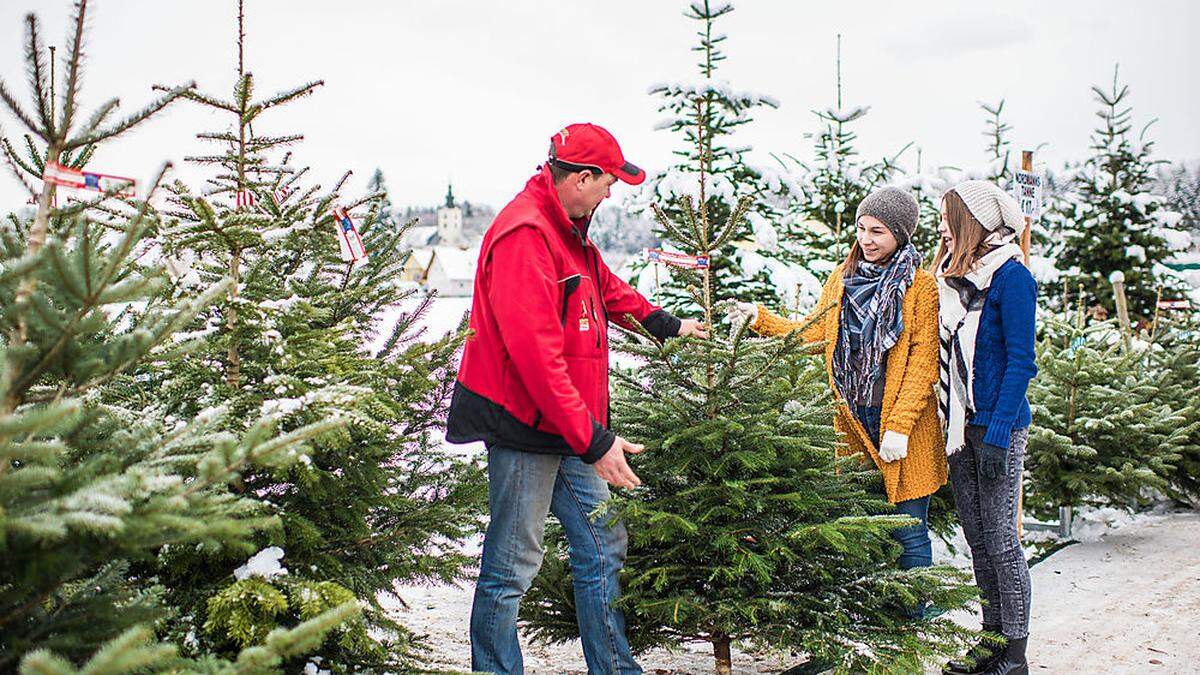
875,240
944,230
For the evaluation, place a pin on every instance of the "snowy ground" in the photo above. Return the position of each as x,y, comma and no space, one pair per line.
1125,599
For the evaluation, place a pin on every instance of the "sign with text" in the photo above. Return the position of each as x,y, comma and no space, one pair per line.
1027,189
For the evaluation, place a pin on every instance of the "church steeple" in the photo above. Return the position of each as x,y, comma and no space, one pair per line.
449,195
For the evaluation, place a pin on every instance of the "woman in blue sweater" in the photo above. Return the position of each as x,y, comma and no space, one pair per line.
987,301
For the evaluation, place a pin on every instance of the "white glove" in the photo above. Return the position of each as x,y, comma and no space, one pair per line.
893,447
743,311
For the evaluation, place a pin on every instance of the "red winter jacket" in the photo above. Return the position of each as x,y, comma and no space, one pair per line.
534,375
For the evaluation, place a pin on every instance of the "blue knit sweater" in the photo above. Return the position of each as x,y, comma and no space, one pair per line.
1004,354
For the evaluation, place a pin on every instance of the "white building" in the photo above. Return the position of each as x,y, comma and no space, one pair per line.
450,222
451,271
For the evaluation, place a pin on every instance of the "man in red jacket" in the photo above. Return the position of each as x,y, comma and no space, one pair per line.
533,385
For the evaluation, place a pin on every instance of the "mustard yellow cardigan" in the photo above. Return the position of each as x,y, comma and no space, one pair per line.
909,395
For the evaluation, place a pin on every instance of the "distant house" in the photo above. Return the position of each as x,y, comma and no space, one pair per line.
421,236
451,271
417,265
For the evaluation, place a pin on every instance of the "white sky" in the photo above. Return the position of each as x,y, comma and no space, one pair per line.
472,91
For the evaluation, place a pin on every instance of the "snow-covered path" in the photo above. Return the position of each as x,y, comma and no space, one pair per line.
1124,602
1128,603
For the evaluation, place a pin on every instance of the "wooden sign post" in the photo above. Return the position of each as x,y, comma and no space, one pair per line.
1118,283
1027,188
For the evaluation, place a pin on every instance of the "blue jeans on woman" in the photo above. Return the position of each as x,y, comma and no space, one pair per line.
918,550
523,487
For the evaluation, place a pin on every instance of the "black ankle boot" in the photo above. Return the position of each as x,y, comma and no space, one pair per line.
979,658
1012,660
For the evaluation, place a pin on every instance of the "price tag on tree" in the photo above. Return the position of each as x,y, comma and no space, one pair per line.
1027,189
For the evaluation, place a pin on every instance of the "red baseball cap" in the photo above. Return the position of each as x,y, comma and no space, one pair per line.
583,147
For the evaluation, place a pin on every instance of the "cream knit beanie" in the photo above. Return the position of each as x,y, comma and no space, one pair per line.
994,208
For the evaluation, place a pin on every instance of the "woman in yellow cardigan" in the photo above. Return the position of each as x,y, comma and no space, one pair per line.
878,320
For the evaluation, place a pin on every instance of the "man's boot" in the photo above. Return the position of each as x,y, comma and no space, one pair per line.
1012,660
979,658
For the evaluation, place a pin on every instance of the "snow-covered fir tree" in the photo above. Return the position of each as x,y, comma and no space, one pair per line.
1102,432
1176,372
704,113
615,230
998,146
929,183
382,206
1111,220
90,488
821,225
300,337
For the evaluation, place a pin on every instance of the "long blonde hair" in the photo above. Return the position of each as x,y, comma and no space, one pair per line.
970,238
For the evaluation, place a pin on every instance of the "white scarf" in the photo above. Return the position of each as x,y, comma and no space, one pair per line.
960,304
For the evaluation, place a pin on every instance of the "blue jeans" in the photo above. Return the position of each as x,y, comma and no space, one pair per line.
523,487
918,550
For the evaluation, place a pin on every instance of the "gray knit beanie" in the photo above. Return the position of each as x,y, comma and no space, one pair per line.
895,208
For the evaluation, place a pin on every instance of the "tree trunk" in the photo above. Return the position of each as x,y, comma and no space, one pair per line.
233,364
721,653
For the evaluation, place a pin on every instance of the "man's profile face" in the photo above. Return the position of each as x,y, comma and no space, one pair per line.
594,189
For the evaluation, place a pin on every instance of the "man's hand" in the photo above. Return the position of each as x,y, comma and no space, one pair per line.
613,468
693,328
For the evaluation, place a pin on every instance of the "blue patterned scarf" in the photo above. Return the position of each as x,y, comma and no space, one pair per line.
871,321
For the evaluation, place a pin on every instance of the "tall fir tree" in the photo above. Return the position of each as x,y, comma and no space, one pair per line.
928,184
1112,221
745,265
384,211
302,337
747,526
998,146
1102,431
927,187
823,228
90,488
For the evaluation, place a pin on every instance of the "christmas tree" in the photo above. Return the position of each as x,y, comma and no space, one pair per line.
997,149
1176,371
747,527
300,338
90,488
1112,221
834,184
382,205
927,187
1102,434
746,265
1180,184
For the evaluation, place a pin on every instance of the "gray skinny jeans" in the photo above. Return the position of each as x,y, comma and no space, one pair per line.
987,509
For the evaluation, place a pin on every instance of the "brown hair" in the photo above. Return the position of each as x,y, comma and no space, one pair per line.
969,238
856,256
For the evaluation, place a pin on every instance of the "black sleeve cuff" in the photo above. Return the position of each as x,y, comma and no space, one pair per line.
661,324
602,440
